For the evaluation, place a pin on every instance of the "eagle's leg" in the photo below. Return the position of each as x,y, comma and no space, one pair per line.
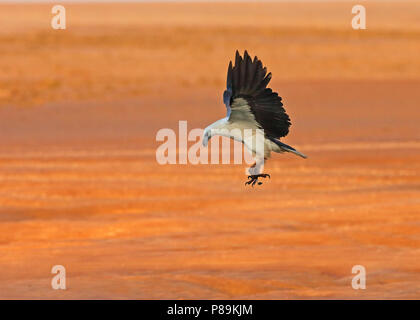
253,179
255,172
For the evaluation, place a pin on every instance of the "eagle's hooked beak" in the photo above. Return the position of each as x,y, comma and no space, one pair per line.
206,138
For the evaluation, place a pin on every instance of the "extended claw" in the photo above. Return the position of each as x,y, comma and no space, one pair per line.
253,179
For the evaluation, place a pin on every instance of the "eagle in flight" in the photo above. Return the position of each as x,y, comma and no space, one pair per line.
251,105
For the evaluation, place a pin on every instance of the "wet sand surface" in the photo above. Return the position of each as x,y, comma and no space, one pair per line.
80,185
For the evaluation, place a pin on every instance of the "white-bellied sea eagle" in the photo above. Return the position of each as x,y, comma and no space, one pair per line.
251,105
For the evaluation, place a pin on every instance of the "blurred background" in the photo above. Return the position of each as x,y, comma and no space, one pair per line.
80,186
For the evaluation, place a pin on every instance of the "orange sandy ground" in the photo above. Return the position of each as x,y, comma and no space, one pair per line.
80,186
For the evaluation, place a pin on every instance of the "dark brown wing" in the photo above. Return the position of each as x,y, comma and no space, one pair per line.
248,80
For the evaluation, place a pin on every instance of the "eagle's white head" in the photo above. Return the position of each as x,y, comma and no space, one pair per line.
214,129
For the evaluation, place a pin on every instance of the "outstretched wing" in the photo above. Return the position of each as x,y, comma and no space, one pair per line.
247,97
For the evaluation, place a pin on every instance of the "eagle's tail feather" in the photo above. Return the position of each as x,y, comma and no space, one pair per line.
287,148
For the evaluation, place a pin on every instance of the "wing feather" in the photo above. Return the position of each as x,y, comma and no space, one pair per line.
246,91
